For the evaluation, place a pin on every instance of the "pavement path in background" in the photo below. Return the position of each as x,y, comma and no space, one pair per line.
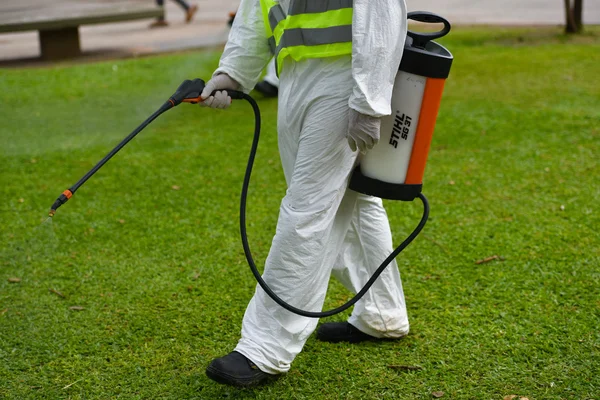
209,27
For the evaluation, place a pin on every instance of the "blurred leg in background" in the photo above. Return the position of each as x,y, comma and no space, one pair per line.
190,10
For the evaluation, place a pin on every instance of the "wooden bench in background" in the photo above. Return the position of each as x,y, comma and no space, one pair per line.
58,21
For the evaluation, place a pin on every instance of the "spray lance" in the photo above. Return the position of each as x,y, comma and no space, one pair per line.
189,92
393,169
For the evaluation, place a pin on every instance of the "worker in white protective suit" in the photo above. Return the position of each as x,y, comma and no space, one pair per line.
333,90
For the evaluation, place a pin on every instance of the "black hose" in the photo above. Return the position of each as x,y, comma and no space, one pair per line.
253,268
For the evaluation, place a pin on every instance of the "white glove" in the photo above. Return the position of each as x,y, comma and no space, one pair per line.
220,99
363,131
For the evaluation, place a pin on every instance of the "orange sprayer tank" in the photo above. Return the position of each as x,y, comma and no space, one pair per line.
394,168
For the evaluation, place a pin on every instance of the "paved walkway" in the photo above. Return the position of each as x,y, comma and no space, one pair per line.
210,29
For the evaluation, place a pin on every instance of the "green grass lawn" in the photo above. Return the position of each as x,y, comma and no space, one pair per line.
148,250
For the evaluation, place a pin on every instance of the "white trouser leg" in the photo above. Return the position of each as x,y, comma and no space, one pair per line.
314,215
382,310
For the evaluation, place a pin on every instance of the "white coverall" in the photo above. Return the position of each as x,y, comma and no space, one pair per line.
323,227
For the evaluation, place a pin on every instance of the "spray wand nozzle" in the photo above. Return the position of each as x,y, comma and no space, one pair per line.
62,199
189,92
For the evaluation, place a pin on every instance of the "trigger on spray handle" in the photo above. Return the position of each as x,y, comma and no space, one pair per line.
189,92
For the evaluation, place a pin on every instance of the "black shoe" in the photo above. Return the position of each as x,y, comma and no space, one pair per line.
267,89
235,369
335,332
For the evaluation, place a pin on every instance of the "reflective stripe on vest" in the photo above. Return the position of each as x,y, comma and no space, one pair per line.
311,29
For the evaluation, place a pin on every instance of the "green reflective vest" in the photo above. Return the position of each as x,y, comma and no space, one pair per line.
311,29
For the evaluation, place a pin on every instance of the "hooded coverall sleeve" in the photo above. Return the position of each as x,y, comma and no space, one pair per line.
247,50
378,35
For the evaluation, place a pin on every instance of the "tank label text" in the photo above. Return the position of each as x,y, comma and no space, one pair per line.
401,128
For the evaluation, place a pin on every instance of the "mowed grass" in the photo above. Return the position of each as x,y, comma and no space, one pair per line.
140,280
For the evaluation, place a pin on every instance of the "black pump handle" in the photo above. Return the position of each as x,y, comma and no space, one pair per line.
420,39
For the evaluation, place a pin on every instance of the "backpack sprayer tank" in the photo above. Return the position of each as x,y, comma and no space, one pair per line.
394,168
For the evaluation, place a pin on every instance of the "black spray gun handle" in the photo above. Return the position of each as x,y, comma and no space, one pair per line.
420,39
189,92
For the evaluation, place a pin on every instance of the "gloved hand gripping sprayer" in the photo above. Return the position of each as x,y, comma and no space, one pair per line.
393,169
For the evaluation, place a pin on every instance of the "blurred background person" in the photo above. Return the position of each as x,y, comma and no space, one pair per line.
190,10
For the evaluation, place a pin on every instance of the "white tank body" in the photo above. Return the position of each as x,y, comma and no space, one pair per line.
388,161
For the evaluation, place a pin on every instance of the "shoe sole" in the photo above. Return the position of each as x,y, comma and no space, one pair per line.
217,376
355,339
